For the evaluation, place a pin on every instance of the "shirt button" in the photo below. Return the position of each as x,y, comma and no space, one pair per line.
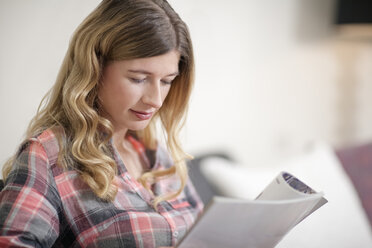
175,234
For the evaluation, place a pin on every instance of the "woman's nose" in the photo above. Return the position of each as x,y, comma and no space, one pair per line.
153,95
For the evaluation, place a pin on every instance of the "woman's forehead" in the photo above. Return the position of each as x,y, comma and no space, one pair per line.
165,64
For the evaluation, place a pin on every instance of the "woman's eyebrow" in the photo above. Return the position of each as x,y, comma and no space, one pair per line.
149,73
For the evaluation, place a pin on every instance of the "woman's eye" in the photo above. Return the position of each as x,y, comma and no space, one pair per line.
166,82
137,81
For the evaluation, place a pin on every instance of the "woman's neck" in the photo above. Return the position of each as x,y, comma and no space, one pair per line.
119,140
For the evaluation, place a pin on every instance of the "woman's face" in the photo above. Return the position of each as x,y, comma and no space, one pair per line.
131,91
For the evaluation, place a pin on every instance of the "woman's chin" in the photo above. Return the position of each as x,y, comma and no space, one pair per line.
138,126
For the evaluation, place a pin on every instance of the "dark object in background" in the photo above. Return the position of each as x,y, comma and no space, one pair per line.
205,190
354,12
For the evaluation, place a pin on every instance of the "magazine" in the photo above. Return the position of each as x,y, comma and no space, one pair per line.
259,223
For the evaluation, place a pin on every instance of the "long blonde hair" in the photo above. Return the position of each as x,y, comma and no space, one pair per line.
115,30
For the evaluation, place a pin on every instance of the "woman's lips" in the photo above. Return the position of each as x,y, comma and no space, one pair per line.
142,115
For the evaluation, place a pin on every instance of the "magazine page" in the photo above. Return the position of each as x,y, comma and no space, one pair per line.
228,222
287,186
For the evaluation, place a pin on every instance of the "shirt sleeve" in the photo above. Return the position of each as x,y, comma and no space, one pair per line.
29,202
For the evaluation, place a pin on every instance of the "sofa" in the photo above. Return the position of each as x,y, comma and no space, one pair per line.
344,175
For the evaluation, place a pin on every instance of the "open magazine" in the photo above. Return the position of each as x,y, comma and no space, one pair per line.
259,223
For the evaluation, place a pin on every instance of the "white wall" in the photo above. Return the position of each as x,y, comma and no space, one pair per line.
34,39
272,76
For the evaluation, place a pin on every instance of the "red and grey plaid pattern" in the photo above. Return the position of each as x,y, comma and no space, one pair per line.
45,206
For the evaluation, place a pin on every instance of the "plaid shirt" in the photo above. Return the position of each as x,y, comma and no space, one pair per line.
43,205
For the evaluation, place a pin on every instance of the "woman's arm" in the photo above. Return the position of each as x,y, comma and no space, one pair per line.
29,202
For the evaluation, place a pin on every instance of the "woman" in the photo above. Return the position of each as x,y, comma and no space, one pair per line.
90,172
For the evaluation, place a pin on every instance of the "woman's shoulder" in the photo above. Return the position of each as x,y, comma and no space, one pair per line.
46,143
50,138
36,158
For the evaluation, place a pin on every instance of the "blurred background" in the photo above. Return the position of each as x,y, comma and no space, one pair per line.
272,77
